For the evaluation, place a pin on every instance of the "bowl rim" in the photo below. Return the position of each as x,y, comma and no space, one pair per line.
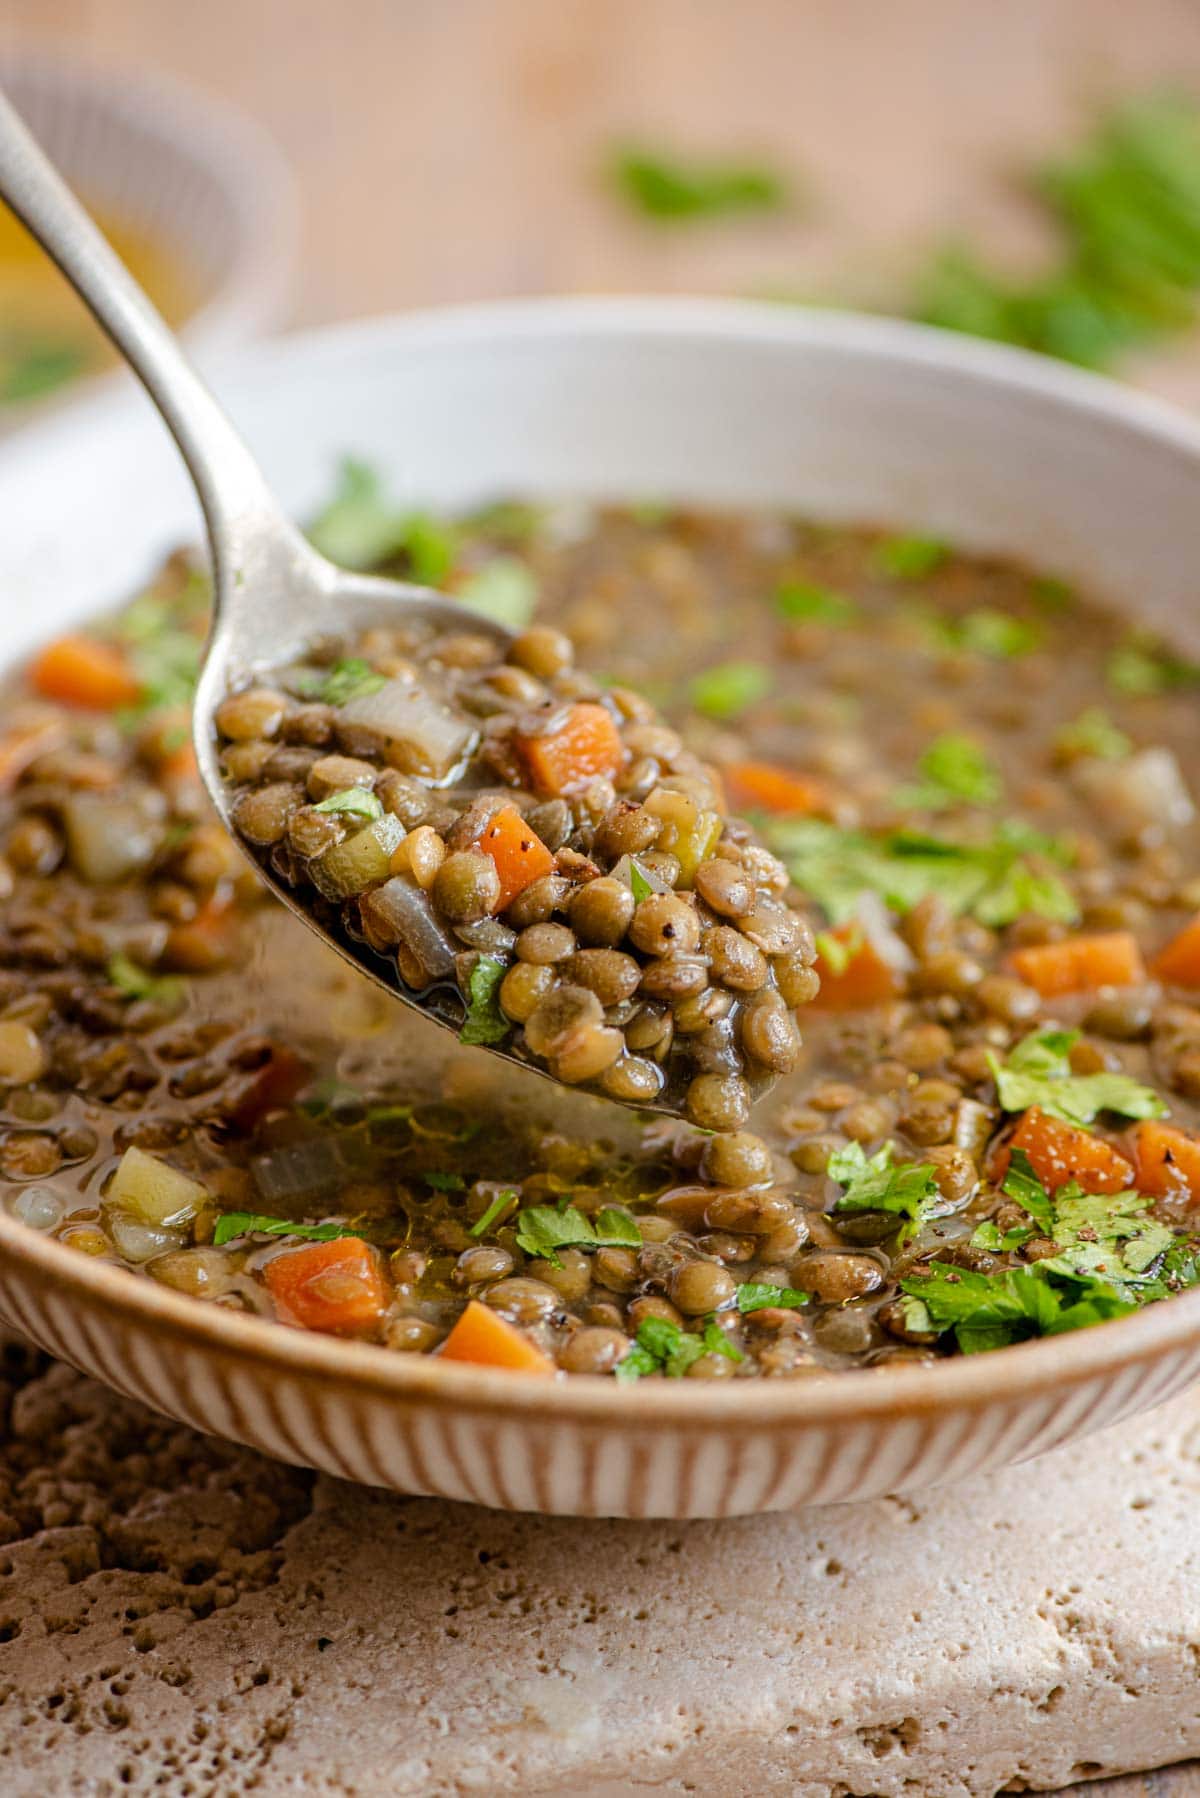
1017,1373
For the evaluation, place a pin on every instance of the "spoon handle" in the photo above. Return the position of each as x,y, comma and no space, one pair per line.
232,491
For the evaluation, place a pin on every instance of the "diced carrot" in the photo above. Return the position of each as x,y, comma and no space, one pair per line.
23,744
1167,1159
271,1087
180,764
585,745
518,852
84,671
336,1286
206,941
484,1338
761,786
1059,1152
1179,963
1080,963
864,979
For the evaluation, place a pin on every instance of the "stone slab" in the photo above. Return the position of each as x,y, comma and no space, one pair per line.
179,1616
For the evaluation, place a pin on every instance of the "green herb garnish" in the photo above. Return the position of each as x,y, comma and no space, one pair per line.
354,802
1142,668
504,591
232,1224
1093,733
502,1203
138,983
953,771
988,1311
802,602
837,952
639,886
994,880
665,187
485,1022
876,1183
911,558
728,689
542,1231
1038,1072
360,528
444,1182
33,366
754,1295
663,1347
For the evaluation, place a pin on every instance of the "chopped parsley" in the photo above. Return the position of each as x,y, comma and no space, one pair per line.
954,770
31,366
802,602
988,632
355,802
876,1183
360,528
351,678
668,188
1093,733
504,591
1142,667
139,983
639,886
232,1224
754,1295
911,558
542,1231
837,952
995,880
1038,1072
165,658
988,1311
445,1182
499,1207
728,689
485,1022
663,1347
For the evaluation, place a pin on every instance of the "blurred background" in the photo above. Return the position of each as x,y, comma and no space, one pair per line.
1010,169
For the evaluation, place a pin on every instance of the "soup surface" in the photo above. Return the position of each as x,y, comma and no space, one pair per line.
977,781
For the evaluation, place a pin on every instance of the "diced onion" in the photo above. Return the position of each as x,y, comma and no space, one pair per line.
1146,792
153,1192
399,912
411,729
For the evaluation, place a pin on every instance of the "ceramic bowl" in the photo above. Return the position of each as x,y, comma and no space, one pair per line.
840,417
192,172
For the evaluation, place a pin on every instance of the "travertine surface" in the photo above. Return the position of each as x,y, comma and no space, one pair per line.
180,1616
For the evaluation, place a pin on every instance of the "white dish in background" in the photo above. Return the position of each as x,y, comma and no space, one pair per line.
193,173
730,403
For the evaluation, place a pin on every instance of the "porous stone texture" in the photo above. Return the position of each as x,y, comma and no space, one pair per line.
179,1616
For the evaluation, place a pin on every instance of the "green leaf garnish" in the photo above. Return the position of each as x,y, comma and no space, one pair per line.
876,1183
837,952
727,690
1093,733
911,558
232,1224
137,983
666,187
348,679
639,886
1038,1072
663,1347
355,802
1142,668
954,770
542,1231
33,366
360,528
994,880
987,1311
504,591
485,1022
500,1205
754,1295
444,1182
804,603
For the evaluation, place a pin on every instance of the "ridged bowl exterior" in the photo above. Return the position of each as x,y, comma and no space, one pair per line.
707,401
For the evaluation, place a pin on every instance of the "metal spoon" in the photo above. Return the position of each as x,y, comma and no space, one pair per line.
272,592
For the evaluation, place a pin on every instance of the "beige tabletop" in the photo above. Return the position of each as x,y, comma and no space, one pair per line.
453,149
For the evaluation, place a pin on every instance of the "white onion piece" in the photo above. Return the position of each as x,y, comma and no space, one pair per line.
39,1207
875,921
411,729
1146,792
110,838
399,912
136,1241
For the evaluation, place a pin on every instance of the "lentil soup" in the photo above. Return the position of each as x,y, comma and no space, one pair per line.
977,783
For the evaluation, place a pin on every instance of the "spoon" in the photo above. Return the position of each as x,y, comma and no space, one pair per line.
272,591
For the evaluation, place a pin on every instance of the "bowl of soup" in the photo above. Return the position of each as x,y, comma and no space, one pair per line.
888,641
194,197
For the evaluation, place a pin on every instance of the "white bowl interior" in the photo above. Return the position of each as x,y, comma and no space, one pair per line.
738,404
